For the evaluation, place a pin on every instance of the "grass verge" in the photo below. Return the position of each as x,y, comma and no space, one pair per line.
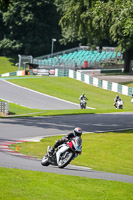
129,84
29,185
109,152
7,64
20,111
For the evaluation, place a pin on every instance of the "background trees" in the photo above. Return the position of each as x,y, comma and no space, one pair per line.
115,19
27,27
99,23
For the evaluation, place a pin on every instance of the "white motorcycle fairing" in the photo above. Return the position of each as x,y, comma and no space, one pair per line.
62,149
119,104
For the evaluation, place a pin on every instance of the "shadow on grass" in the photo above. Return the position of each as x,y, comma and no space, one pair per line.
13,60
11,113
126,83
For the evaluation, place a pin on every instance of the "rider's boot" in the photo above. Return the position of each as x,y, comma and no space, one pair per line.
50,151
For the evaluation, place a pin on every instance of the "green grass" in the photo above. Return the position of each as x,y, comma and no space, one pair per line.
110,152
7,65
15,109
18,184
129,84
70,89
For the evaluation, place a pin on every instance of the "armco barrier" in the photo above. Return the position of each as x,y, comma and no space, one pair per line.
112,86
17,73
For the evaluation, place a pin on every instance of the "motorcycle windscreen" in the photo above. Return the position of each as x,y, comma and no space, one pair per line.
77,143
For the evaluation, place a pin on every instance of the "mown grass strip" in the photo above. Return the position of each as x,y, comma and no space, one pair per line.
23,184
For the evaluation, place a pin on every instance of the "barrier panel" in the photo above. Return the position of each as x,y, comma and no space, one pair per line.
17,73
114,87
4,107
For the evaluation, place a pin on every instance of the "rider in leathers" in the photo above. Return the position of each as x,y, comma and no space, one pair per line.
76,132
83,97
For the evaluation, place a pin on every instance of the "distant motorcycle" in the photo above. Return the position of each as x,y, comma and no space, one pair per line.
119,104
63,155
83,104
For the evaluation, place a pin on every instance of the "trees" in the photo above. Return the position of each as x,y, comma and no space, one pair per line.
75,19
122,29
29,27
116,20
108,22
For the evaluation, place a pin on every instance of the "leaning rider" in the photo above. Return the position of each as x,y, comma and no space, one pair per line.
76,132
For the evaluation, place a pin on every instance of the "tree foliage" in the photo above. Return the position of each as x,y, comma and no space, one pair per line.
107,22
29,27
115,18
76,19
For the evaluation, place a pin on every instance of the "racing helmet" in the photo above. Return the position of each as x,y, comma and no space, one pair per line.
77,131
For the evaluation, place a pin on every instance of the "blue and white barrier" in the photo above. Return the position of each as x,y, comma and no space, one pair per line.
112,86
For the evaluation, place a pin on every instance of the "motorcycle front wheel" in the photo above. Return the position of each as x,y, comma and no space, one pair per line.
65,159
45,161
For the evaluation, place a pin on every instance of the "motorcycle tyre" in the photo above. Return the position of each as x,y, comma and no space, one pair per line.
44,161
81,106
67,162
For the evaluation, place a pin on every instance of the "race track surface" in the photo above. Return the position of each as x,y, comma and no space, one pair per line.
28,128
32,99
13,129
35,165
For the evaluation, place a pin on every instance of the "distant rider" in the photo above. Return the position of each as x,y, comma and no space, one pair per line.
76,132
118,103
116,99
83,97
132,99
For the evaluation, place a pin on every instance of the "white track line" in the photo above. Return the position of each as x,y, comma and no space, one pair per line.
43,94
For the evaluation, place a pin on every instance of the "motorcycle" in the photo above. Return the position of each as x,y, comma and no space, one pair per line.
119,104
64,153
83,104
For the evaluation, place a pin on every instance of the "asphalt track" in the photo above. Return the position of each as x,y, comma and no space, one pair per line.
32,99
37,127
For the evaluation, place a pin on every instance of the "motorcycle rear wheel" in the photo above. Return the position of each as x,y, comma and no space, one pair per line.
66,157
45,161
